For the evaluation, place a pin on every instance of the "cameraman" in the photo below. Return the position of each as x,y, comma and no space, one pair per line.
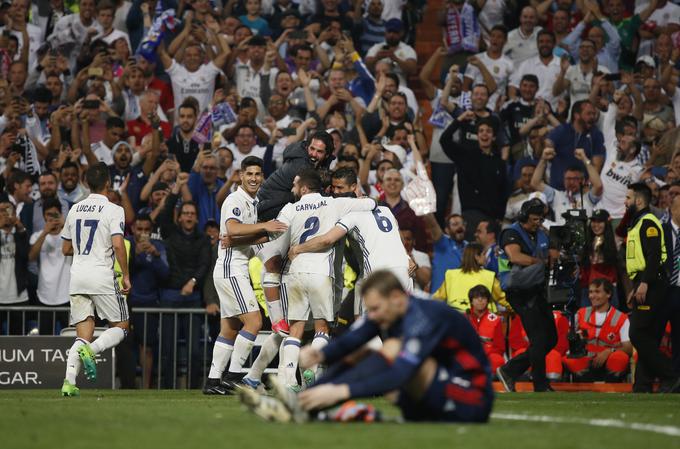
521,268
645,255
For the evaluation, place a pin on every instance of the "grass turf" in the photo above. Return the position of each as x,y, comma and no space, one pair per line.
187,419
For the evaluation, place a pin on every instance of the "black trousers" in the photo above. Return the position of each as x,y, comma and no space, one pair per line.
538,322
647,324
674,318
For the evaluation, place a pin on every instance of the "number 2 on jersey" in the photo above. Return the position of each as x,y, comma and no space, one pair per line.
311,228
92,224
384,223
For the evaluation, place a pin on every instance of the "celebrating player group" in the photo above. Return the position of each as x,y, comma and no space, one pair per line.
300,222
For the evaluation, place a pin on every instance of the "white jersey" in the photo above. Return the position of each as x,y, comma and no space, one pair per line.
316,215
233,262
199,84
501,70
90,226
377,234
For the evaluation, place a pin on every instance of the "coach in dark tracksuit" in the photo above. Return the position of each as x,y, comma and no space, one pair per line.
671,233
645,254
316,152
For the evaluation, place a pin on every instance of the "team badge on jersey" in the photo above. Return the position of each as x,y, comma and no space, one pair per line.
237,211
611,336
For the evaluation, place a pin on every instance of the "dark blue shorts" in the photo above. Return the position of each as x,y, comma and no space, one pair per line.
449,399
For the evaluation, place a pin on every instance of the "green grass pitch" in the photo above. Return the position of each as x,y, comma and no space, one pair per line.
187,420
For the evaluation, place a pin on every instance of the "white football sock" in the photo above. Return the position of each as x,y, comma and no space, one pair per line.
221,354
275,310
291,354
242,346
73,363
268,351
280,372
108,339
319,342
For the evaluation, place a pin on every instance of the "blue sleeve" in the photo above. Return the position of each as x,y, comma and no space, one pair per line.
195,185
416,348
598,144
362,70
160,264
350,341
573,40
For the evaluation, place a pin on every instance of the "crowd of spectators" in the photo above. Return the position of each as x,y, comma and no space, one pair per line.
569,101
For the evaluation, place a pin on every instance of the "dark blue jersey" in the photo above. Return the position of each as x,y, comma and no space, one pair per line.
429,329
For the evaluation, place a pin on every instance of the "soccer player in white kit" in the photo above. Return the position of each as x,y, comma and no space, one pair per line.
93,235
310,287
377,234
239,310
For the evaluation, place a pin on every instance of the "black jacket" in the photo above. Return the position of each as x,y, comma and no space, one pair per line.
670,255
20,259
275,192
188,254
482,179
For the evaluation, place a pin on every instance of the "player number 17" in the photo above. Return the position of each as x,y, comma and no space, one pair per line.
92,224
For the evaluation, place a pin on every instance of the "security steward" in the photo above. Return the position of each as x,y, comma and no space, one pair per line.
521,266
645,256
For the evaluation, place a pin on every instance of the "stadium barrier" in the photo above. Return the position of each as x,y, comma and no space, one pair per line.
32,321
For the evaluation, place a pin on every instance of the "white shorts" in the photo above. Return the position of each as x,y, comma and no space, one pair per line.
401,274
236,296
112,308
309,293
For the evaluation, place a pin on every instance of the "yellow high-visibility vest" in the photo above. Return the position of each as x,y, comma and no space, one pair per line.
635,260
457,285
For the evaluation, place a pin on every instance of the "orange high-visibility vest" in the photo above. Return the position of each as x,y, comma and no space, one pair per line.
609,336
490,331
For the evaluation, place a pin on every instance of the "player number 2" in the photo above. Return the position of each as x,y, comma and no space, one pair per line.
384,223
92,224
311,228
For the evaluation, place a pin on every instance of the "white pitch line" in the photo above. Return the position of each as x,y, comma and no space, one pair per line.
614,423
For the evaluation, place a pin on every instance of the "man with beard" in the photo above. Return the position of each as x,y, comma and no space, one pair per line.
580,133
577,79
181,144
447,246
645,256
545,66
491,67
309,285
70,188
37,118
393,50
192,77
274,194
122,158
47,186
621,168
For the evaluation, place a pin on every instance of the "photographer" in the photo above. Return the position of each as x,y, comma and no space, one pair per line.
522,272
645,254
